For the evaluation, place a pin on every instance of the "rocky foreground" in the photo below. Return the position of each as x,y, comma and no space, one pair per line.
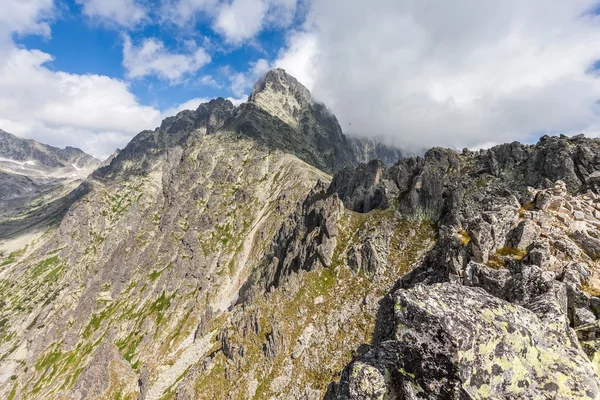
242,252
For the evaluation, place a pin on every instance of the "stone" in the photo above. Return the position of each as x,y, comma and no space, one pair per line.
451,341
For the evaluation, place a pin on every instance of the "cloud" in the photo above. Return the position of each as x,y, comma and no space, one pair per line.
191,104
26,16
62,109
208,80
125,13
236,20
241,20
152,58
242,82
94,112
461,73
298,58
182,12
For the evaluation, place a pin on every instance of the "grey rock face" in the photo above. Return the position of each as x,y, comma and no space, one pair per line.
451,341
305,241
282,96
371,255
362,188
139,283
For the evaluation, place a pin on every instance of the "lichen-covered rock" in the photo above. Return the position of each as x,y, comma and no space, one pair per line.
451,341
589,337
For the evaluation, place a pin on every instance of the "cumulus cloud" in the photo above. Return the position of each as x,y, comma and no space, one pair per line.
240,20
236,20
209,80
95,112
26,16
151,57
459,73
298,58
182,12
125,13
242,82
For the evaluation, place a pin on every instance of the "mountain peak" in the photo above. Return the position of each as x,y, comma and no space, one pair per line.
18,149
281,95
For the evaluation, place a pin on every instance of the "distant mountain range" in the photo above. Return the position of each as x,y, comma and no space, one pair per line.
29,151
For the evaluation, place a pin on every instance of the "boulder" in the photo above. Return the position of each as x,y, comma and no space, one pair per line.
456,342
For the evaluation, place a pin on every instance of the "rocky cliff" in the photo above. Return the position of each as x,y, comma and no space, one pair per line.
241,252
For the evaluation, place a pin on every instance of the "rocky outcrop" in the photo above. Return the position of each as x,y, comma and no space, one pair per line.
363,188
517,244
304,242
282,96
371,254
451,341
207,119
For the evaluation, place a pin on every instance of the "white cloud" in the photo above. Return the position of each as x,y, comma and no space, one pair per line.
153,58
181,12
241,20
25,16
242,82
236,20
298,58
191,104
92,111
114,12
208,80
459,73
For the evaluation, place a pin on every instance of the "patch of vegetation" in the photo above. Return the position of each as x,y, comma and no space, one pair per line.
160,305
13,256
224,234
590,289
43,266
514,253
483,181
97,319
529,206
12,393
464,237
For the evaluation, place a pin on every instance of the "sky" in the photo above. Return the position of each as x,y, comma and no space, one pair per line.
413,73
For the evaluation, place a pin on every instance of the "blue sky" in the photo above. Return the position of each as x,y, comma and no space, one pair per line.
81,44
416,74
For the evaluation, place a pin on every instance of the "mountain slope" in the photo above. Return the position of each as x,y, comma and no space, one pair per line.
216,257
149,254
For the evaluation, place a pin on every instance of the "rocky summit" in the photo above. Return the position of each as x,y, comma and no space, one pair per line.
256,252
